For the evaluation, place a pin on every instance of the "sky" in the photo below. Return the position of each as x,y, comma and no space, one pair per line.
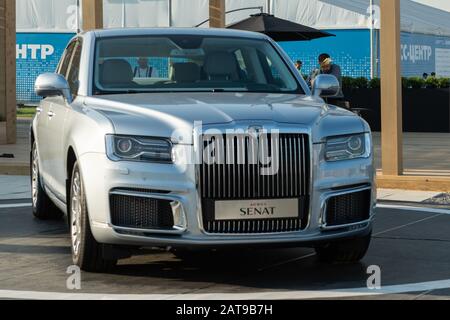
441,4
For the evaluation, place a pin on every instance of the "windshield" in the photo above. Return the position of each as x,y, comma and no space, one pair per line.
190,63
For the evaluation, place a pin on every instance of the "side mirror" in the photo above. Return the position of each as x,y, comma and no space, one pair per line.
51,85
326,86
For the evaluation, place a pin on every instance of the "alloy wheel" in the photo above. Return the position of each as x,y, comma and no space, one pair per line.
76,212
34,176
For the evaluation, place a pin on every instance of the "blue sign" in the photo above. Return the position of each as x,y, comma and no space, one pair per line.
425,54
350,49
37,53
40,52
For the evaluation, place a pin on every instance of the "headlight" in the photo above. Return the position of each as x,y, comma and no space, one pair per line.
348,147
127,148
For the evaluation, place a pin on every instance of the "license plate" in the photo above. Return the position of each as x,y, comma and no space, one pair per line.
257,209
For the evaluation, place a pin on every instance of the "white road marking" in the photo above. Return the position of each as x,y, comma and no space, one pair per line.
407,225
284,295
415,209
287,262
15,205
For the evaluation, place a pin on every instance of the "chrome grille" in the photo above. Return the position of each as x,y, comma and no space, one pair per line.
243,180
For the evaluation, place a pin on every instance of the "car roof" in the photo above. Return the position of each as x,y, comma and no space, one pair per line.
103,33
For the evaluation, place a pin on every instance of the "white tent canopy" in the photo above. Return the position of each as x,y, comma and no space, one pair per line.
61,15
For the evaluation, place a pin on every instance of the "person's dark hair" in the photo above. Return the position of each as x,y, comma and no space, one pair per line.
299,62
324,56
433,74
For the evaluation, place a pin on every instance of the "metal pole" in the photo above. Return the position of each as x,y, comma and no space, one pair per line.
170,13
78,17
260,8
123,14
372,60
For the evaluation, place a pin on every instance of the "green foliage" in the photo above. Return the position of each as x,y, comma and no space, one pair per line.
375,83
432,83
416,83
405,83
347,83
26,112
444,82
361,83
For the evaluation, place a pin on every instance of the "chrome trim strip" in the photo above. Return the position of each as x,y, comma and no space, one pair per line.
175,231
365,222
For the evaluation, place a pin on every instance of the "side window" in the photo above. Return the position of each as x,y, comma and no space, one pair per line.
65,62
74,70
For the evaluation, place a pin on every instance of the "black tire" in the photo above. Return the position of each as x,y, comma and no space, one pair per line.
43,207
87,253
344,251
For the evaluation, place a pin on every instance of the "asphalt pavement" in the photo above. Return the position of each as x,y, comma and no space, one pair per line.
410,246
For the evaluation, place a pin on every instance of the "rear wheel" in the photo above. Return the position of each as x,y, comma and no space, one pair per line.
344,251
87,253
43,207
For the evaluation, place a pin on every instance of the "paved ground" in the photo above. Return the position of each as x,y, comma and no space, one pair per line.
21,151
424,153
411,247
18,187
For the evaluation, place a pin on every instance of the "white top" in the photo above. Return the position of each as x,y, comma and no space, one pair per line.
149,72
61,15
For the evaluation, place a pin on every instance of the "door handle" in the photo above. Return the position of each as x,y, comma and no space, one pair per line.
51,114
38,110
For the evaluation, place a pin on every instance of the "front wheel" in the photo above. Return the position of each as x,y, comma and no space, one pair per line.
344,251
87,253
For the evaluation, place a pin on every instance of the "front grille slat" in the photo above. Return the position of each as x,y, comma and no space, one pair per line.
305,172
241,175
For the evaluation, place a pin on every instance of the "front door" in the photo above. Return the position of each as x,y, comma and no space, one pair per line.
57,115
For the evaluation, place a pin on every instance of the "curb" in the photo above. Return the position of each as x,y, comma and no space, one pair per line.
22,169
413,204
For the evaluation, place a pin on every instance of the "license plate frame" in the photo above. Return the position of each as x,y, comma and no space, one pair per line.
263,209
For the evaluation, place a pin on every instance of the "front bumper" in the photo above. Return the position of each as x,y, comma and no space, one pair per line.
101,176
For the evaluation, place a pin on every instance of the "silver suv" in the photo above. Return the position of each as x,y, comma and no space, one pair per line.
197,139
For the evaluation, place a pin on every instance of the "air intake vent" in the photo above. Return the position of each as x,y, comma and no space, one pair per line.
141,213
349,208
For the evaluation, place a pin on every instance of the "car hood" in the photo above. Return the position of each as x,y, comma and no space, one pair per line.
160,114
